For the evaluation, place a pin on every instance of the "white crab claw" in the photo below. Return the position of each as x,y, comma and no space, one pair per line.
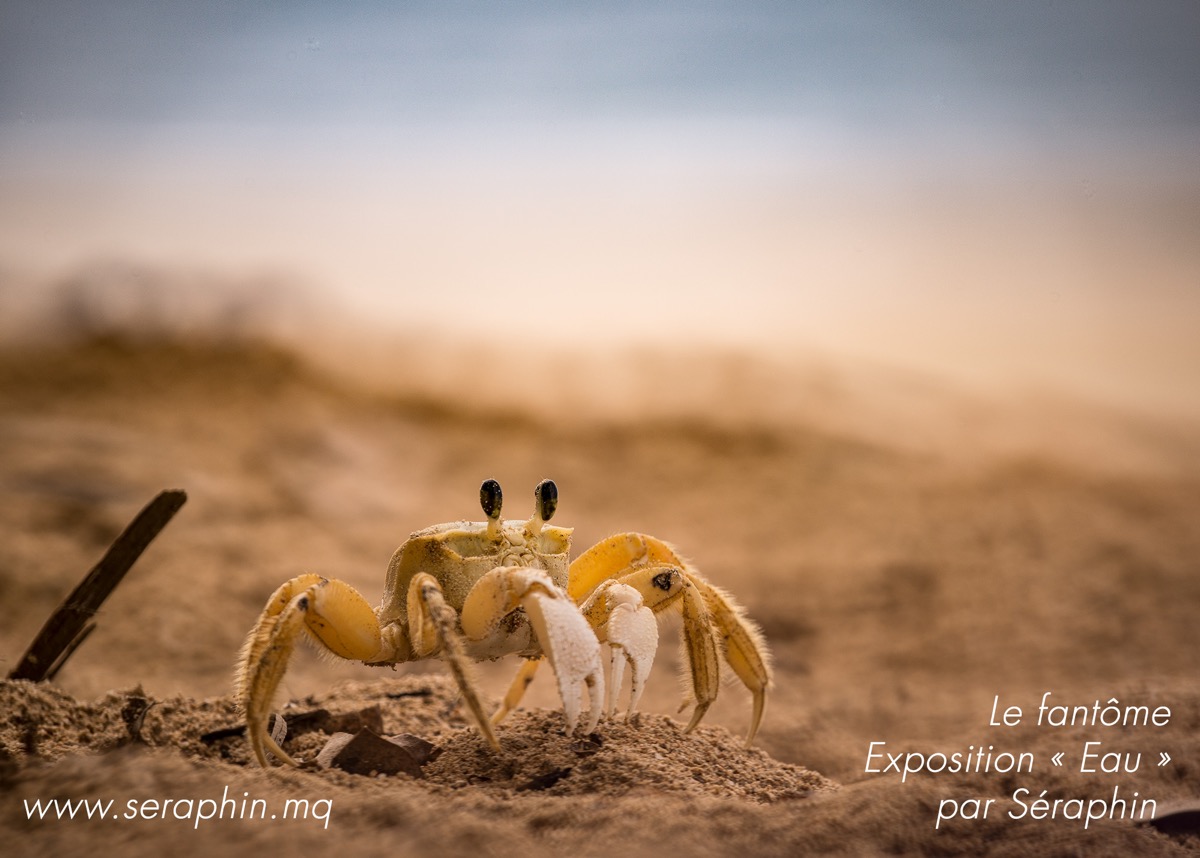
573,651
632,636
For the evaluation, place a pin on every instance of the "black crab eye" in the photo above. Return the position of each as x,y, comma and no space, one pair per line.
491,498
546,498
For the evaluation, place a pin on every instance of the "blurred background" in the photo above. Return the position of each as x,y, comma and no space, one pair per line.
1001,195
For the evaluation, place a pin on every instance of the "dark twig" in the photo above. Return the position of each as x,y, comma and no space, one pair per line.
72,622
69,651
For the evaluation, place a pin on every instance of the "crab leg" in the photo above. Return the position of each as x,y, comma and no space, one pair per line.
709,614
432,629
616,556
701,649
332,612
743,645
565,637
516,690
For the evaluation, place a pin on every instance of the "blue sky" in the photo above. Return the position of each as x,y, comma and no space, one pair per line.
1051,70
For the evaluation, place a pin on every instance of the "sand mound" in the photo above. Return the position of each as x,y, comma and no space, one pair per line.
545,793
651,754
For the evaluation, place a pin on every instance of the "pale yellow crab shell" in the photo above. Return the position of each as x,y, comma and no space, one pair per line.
459,553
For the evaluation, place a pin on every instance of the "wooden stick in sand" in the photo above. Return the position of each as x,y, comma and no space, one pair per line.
72,622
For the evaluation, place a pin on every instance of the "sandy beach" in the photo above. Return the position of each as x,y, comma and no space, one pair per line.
911,590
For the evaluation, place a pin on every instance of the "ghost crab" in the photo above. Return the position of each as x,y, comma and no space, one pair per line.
481,590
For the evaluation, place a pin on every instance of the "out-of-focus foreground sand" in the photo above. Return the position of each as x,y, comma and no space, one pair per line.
909,552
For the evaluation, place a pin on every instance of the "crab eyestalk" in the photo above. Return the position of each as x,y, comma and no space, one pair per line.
545,502
491,499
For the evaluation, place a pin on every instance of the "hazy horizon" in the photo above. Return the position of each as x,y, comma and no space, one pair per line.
1004,193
